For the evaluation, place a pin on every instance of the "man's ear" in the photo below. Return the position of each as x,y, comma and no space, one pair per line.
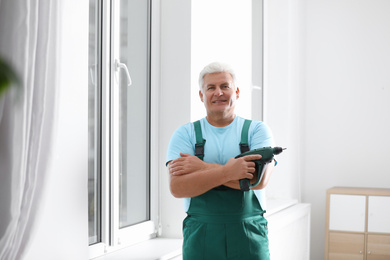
237,92
201,95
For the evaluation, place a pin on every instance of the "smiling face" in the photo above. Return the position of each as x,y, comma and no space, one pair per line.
219,96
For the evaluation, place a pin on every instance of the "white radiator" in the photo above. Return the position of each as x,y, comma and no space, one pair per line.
289,232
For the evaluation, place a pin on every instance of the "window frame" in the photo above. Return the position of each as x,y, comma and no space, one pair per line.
112,237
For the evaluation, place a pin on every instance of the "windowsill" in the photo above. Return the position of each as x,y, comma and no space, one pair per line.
157,248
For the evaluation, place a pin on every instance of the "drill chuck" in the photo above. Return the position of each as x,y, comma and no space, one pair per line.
277,150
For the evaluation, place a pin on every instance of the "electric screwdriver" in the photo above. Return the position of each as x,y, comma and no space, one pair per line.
267,155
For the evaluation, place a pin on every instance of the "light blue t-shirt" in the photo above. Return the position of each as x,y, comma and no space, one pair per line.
222,143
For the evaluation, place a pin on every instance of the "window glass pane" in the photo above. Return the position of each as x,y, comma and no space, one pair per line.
93,128
134,113
236,51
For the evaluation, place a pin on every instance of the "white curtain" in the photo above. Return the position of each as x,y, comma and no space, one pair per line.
28,40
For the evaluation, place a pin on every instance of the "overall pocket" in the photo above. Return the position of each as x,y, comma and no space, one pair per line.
193,243
257,233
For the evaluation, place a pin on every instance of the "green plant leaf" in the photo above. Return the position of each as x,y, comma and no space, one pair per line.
7,76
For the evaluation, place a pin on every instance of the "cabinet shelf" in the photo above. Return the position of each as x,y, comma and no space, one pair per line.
357,223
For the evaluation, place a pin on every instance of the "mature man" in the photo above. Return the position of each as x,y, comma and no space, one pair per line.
222,221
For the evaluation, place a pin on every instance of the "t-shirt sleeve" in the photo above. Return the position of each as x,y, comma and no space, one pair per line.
182,141
261,136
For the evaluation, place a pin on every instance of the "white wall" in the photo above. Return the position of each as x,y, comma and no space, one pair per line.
347,102
175,99
61,230
283,78
327,95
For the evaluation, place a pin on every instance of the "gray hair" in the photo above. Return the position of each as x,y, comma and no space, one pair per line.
216,67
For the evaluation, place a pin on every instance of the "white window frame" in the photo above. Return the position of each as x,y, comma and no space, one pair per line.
112,237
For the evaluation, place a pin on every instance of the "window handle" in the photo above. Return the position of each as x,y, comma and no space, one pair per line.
119,65
92,69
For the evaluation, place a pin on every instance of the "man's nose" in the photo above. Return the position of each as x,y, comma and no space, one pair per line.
218,92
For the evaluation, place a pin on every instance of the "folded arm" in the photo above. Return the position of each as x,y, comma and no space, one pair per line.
190,176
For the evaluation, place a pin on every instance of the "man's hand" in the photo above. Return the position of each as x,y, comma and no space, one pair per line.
241,168
186,164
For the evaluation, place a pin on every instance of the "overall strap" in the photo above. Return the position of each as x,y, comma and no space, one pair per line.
199,146
244,146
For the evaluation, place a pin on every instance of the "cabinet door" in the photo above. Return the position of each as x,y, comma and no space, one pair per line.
379,214
346,246
347,212
378,247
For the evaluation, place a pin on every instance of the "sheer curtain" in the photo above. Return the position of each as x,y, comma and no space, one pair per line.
29,41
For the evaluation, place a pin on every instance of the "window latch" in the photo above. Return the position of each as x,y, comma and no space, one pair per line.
119,65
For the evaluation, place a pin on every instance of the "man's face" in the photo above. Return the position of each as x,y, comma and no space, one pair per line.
219,94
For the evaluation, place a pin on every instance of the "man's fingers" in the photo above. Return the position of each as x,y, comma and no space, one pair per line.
175,166
251,164
175,170
178,172
178,161
252,169
252,157
249,176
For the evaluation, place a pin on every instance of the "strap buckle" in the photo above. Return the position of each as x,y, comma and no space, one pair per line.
244,147
199,149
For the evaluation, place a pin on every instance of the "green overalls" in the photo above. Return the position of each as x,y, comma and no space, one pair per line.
225,223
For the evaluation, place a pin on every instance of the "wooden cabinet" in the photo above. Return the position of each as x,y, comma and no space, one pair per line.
378,247
346,246
379,214
347,212
357,224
